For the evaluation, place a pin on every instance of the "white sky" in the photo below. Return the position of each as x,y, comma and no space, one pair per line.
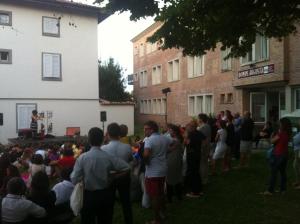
114,35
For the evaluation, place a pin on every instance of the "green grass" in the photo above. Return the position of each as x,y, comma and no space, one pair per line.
232,198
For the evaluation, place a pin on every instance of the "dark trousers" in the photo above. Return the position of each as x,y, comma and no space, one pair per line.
193,177
278,164
174,189
97,207
122,186
236,147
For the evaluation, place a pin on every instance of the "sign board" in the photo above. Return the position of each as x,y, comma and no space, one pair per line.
256,71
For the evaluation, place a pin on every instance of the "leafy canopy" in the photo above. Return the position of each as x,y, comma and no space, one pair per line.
111,83
199,25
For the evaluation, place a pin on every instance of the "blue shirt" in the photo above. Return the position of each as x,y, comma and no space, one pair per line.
118,149
95,167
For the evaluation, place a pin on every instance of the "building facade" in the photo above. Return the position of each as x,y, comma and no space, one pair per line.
48,62
264,82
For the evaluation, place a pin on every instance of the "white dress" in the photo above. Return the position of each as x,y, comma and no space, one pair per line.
221,145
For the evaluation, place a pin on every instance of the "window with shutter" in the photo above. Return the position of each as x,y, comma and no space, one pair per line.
24,112
51,26
51,66
5,18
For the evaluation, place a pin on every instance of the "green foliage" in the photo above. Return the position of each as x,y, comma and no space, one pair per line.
111,82
199,25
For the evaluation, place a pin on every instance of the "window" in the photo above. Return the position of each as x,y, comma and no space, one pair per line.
5,56
51,66
141,50
135,77
259,52
222,98
135,50
225,63
150,47
143,79
153,106
156,75
297,99
24,112
195,66
258,106
229,98
5,18
51,26
200,104
173,70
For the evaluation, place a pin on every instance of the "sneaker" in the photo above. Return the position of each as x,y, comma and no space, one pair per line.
266,193
193,195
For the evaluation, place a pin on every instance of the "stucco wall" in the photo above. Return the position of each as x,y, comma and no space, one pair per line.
77,45
66,113
122,114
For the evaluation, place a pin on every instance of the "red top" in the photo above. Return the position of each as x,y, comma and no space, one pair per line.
281,146
67,161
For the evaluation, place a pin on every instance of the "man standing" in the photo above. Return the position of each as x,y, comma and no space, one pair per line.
95,168
155,151
205,129
121,184
247,127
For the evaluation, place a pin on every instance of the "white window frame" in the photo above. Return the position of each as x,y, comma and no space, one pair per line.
155,106
54,77
6,13
9,52
18,116
156,74
195,106
253,52
171,71
192,66
265,108
143,77
226,64
54,20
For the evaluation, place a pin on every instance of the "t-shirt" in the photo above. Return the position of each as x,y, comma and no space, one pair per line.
206,130
67,161
247,129
158,145
195,141
281,146
230,135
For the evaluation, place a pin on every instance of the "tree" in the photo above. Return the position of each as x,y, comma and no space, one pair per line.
199,25
111,82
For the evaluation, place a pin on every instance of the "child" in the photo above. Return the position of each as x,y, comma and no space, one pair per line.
15,208
221,145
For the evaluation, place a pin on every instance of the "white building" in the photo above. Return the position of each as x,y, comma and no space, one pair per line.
48,62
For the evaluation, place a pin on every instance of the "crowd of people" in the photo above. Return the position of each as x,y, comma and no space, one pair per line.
37,180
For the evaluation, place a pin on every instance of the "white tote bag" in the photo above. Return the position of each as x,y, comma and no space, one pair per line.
76,200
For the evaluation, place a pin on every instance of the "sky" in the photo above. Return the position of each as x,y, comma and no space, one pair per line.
114,35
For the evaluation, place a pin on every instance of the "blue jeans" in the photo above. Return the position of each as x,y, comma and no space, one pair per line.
278,164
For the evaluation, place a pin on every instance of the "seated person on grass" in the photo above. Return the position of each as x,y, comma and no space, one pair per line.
15,208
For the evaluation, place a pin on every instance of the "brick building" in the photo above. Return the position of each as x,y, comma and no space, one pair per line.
263,82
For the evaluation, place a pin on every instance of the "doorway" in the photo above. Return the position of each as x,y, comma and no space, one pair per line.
266,106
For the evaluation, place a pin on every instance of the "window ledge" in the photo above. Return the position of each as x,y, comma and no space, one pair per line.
51,79
255,62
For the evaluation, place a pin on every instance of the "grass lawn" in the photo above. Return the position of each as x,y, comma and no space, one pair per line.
232,198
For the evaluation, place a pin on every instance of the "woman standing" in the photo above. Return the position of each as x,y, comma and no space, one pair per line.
296,164
174,161
34,123
279,159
